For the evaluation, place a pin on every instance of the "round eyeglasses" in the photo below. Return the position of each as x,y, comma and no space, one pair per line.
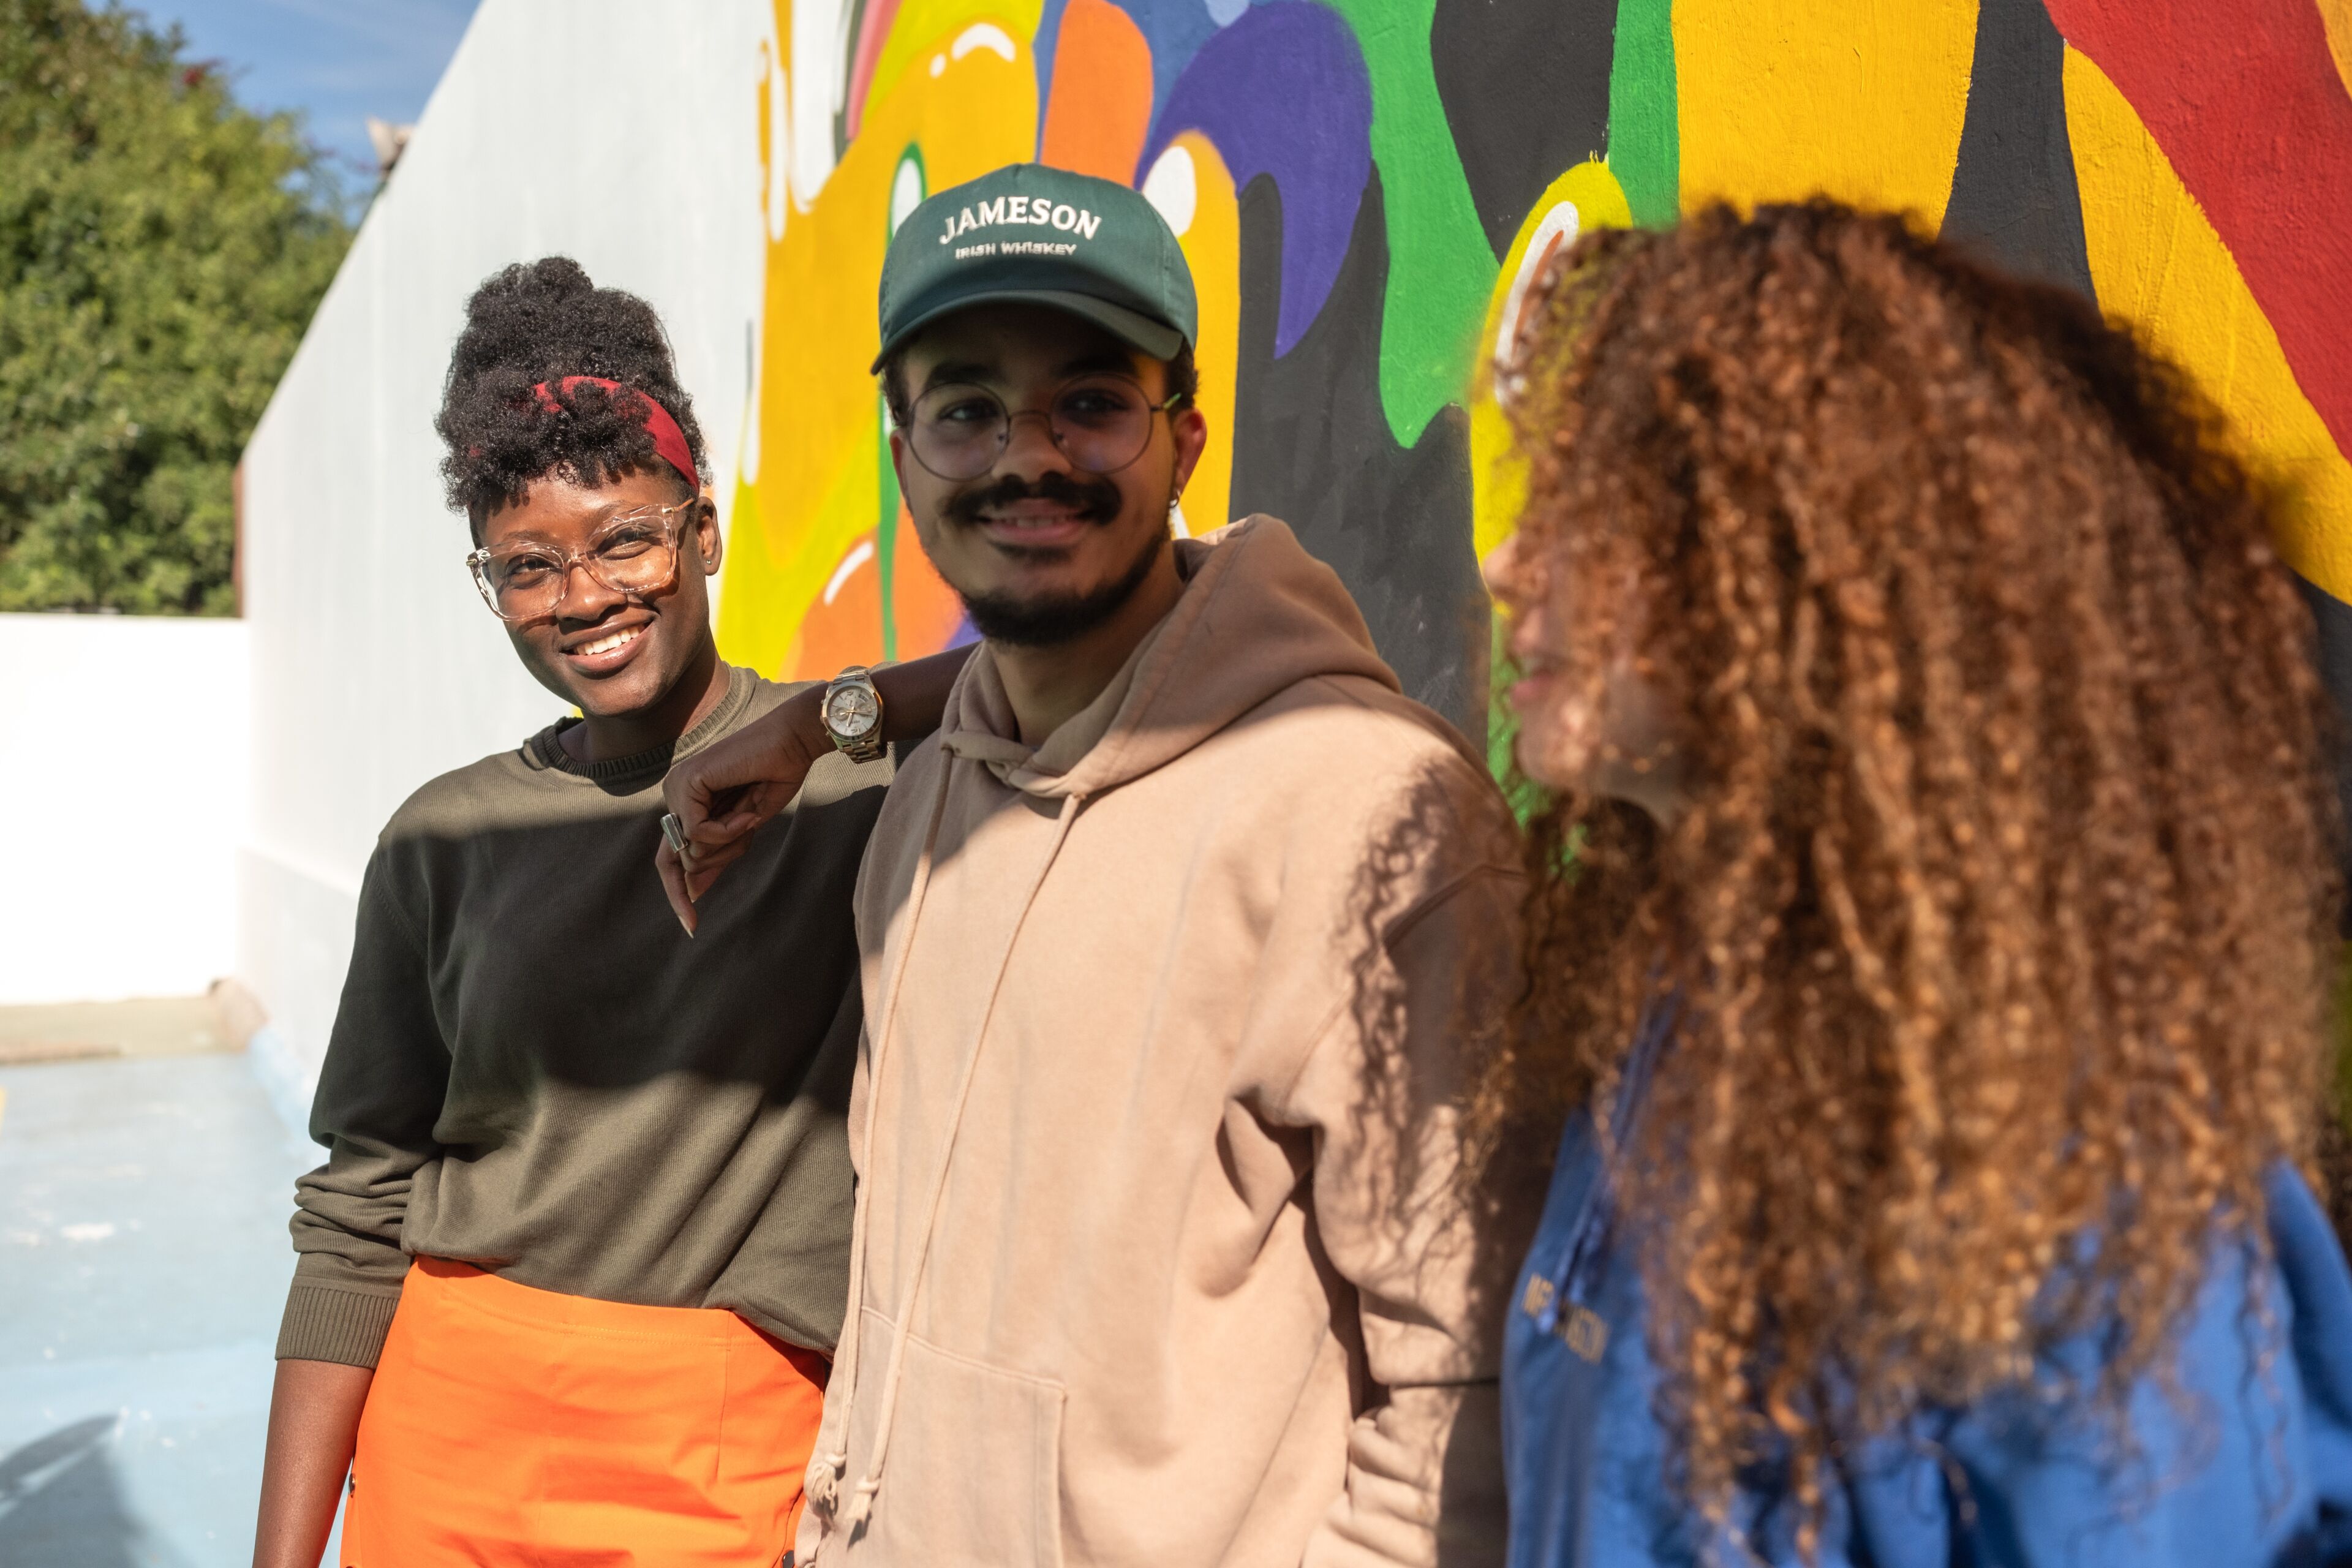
634,553
1100,423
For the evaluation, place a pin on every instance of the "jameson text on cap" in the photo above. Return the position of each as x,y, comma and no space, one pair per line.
1027,233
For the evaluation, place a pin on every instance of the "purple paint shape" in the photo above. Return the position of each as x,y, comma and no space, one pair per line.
1284,91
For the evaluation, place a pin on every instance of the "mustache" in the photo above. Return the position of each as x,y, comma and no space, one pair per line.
1097,501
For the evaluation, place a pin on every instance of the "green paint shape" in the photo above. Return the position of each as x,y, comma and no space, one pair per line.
886,541
1440,269
886,488
1645,137
1528,799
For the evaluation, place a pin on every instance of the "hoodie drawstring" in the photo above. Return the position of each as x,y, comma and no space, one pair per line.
832,1463
861,1502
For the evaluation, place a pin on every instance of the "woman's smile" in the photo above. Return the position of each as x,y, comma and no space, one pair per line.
610,647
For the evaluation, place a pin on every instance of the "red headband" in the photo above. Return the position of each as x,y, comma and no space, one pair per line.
668,439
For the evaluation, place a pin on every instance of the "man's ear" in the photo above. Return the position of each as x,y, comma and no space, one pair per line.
898,455
707,537
1190,428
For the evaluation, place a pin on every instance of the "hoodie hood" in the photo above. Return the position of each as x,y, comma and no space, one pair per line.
1257,616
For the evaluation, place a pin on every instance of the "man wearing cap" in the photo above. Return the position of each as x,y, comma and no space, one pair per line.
1170,937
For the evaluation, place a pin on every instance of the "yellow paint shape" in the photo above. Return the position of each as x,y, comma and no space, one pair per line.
2157,263
1211,243
1498,475
818,485
2335,17
927,28
1859,99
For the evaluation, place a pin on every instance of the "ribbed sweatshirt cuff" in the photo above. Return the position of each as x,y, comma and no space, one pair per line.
323,1323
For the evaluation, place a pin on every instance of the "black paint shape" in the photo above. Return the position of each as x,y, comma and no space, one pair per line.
1312,447
2014,201
1526,88
2332,623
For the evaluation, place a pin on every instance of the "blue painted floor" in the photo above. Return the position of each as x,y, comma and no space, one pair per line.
144,1261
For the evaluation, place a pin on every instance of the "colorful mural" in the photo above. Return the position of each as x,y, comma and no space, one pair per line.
1364,189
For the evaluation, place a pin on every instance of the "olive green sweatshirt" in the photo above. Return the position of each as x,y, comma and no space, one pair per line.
534,1069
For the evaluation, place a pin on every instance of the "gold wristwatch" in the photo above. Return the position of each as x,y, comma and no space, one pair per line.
851,713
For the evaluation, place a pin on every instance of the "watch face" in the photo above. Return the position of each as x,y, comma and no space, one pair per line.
850,711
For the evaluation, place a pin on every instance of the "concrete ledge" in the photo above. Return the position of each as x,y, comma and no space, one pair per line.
222,1020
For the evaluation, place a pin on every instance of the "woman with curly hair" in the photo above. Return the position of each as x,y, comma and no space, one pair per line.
1930,937
570,1278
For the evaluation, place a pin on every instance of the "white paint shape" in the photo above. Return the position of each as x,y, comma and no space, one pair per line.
1226,12
820,90
98,1230
848,568
939,65
748,463
1554,233
1173,187
780,144
906,192
984,36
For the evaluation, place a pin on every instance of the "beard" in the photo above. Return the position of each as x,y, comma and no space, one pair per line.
1047,620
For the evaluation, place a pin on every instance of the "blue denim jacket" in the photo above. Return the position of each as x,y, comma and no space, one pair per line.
2256,1469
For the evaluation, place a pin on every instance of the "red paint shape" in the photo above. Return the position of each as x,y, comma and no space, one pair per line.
1100,106
2243,98
873,30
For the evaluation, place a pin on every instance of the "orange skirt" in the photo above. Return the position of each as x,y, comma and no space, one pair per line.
511,1427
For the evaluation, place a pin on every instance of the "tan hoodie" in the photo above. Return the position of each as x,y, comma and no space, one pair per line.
1159,1254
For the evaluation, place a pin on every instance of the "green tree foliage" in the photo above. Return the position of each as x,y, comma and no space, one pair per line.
161,252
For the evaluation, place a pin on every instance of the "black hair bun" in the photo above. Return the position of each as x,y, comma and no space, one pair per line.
535,323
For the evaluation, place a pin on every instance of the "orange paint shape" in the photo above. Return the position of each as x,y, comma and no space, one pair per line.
844,625
1100,105
925,609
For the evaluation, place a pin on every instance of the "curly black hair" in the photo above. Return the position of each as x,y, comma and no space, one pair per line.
540,322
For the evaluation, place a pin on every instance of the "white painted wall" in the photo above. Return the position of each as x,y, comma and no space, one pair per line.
124,744
621,133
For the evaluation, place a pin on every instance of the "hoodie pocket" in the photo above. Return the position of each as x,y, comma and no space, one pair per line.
973,1475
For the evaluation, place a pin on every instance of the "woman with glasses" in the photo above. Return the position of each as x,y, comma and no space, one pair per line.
569,1279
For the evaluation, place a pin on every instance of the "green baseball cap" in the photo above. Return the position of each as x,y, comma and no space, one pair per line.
1043,236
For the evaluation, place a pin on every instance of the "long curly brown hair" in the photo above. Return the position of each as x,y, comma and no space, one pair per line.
2002,906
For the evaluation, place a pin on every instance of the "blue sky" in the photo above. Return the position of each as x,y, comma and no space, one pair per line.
337,61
